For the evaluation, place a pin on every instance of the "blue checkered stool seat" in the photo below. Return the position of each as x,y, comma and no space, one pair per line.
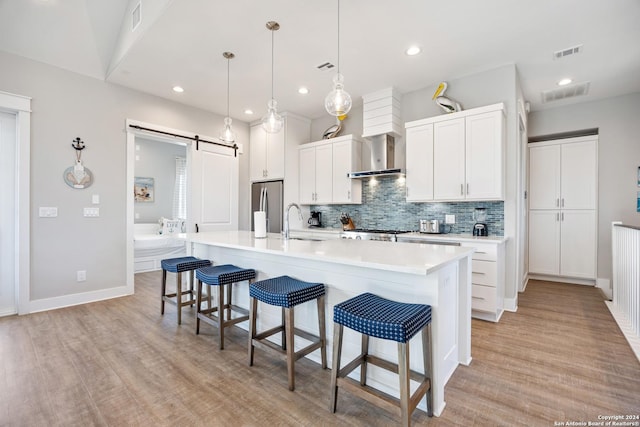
179,266
221,276
287,292
374,316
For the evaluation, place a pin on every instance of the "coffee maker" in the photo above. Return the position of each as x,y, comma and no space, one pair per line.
480,227
315,220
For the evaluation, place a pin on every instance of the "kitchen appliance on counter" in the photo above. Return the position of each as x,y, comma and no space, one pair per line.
369,234
431,226
480,227
315,220
347,222
267,197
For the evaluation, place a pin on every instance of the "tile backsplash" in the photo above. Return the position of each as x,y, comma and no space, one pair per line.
384,207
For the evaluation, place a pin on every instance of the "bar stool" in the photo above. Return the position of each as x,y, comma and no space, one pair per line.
221,276
287,292
178,266
378,317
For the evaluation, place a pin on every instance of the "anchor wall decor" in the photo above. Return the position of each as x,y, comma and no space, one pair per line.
78,176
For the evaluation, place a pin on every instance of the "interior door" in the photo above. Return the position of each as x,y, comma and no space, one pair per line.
7,214
214,188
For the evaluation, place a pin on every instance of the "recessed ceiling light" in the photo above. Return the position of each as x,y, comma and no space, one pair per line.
564,82
413,50
178,89
248,111
303,91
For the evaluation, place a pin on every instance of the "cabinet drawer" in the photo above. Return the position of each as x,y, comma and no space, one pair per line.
483,298
484,273
484,251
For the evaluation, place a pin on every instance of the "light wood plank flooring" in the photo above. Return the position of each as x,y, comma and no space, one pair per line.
560,358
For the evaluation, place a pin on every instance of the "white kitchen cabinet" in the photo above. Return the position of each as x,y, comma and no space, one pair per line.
266,159
487,280
316,174
562,208
347,155
458,156
419,174
563,175
323,169
449,160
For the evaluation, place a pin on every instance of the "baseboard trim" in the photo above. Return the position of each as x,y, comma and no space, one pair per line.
8,312
572,280
511,304
605,286
77,299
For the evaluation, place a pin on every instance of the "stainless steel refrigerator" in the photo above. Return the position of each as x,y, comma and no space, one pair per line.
267,196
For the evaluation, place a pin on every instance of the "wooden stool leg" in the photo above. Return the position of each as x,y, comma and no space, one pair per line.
428,371
288,327
229,294
163,290
179,296
253,310
323,332
403,372
198,305
191,289
284,331
364,351
335,365
221,315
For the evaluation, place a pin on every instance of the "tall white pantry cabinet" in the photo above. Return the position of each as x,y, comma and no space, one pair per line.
563,193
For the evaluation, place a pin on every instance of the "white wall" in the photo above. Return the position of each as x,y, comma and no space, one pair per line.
618,158
157,160
65,106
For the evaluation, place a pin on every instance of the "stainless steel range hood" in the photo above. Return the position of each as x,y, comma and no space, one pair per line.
382,159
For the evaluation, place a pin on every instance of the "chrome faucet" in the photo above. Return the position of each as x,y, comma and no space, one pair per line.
286,218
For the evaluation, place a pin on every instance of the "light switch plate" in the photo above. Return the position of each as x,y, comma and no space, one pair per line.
95,199
449,219
47,212
92,212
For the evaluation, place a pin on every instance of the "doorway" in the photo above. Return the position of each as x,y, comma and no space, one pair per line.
15,142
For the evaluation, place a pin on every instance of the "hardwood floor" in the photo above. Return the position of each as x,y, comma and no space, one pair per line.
560,358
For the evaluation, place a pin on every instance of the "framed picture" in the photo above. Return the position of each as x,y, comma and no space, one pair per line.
638,202
638,176
143,189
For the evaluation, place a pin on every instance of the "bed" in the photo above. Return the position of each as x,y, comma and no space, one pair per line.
150,247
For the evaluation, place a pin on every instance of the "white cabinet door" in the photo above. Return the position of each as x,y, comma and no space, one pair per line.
544,177
484,154
578,247
266,158
307,174
419,164
324,174
449,160
544,242
214,190
579,175
346,158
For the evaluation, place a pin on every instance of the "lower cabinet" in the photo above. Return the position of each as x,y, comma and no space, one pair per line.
487,280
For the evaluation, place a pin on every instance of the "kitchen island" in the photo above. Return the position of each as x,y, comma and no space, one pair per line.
429,274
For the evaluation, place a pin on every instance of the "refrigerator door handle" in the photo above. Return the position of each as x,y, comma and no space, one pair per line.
266,207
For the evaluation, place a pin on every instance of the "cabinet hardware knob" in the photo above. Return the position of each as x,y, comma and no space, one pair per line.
477,298
477,272
467,188
462,189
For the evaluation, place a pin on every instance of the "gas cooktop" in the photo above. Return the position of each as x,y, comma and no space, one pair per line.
372,234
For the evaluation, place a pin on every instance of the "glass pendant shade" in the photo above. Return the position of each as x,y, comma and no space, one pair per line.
338,102
272,121
227,134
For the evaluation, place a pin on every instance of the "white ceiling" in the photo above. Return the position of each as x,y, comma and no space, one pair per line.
181,43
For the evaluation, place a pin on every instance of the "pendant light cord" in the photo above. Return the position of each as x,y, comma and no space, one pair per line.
228,62
338,36
272,64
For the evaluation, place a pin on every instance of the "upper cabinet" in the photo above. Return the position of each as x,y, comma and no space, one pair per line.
458,156
324,166
266,159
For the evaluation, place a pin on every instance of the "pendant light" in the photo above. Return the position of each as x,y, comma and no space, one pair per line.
338,102
272,121
227,134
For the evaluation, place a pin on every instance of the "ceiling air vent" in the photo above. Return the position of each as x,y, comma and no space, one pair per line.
136,17
565,92
567,52
325,67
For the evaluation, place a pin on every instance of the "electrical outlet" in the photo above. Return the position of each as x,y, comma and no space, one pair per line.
449,219
81,275
91,212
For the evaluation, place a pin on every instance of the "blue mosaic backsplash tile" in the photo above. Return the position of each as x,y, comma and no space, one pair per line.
384,207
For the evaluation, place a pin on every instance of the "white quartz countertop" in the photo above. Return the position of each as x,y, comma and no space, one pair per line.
390,256
449,237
